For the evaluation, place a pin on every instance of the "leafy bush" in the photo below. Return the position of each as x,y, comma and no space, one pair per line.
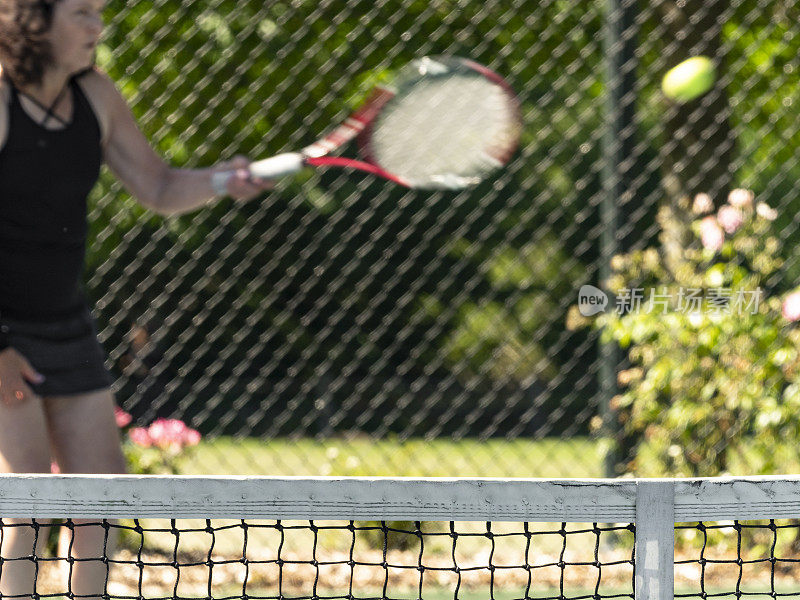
714,354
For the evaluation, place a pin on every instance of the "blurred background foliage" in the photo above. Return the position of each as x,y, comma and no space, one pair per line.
340,303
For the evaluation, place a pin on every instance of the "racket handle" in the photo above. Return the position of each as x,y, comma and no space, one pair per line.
273,167
277,166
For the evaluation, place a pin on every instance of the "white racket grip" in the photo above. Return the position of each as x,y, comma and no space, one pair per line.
269,168
277,166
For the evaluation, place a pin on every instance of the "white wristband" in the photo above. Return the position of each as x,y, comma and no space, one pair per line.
219,181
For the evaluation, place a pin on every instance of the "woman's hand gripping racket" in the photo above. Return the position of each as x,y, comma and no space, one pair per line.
443,123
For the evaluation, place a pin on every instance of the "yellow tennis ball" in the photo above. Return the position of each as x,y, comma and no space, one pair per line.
689,80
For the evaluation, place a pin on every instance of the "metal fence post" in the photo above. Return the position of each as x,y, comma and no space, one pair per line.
618,149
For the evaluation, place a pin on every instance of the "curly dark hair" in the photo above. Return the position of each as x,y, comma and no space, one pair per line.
24,51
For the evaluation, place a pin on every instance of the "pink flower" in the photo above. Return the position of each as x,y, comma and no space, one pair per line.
192,437
791,307
741,198
765,211
172,433
702,204
167,434
140,437
730,218
54,468
123,418
711,234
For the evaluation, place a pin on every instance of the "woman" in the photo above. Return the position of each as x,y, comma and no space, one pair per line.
60,118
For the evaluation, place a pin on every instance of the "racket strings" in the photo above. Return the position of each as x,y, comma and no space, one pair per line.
445,131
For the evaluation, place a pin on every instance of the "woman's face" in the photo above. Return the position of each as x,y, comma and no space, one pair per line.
76,29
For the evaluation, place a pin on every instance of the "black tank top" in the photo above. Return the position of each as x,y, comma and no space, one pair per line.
45,177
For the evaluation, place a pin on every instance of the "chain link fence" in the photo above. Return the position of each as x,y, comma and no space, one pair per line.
341,308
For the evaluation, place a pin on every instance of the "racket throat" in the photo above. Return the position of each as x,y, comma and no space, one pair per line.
353,126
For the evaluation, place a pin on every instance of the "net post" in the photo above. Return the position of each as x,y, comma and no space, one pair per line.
654,569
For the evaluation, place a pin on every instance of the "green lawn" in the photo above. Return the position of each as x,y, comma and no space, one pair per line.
362,456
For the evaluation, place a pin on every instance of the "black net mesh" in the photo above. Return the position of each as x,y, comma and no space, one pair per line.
318,559
225,559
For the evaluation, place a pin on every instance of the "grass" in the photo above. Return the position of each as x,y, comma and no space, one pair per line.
363,456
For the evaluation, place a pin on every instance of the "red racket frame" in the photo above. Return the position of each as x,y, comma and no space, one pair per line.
358,124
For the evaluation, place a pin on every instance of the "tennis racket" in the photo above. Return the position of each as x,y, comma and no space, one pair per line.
442,123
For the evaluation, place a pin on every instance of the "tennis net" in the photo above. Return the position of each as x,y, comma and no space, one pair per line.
155,537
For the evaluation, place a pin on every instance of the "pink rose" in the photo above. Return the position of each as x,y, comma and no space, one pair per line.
172,433
123,418
702,204
166,432
730,218
741,198
140,437
192,437
791,307
711,234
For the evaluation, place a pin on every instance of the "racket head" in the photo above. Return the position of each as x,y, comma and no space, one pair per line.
446,123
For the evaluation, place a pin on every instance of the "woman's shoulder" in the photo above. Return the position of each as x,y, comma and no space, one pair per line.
100,91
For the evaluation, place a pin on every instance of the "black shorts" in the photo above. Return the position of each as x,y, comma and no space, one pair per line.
66,352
